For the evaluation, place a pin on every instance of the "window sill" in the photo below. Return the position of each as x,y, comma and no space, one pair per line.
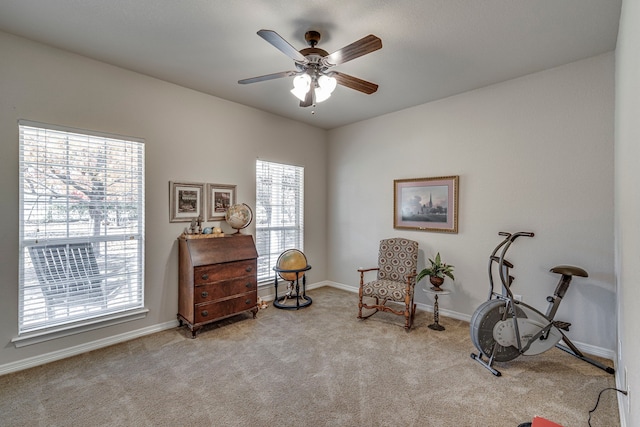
265,284
36,337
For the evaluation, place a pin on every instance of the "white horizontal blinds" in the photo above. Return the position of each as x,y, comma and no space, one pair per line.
81,225
279,213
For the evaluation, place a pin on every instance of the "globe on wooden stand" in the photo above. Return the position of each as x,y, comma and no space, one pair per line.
291,259
291,266
238,216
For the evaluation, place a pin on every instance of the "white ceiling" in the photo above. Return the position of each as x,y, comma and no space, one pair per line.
431,48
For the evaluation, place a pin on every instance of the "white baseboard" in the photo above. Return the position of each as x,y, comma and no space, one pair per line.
265,294
586,348
83,348
621,386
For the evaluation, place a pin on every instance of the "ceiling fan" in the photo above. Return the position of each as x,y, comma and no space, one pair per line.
314,78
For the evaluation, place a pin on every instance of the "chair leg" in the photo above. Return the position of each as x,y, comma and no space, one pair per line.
410,314
375,309
360,300
410,307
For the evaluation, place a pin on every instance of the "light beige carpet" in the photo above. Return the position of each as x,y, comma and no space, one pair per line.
318,366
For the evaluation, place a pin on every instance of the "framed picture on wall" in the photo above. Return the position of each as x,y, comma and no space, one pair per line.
427,204
186,201
220,197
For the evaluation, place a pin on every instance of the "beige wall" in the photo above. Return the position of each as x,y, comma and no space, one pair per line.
627,208
533,154
189,137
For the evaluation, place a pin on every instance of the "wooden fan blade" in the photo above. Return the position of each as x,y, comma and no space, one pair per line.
355,83
282,45
308,100
355,50
268,77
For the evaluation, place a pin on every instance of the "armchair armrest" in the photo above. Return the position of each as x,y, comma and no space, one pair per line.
362,270
411,278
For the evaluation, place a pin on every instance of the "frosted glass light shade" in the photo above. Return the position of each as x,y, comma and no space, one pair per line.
301,86
326,86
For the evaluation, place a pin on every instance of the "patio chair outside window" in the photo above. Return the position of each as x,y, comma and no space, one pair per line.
68,276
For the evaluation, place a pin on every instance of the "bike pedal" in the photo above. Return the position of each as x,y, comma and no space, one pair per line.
562,325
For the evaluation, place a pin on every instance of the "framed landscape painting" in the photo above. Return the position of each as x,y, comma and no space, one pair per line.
220,197
427,204
186,201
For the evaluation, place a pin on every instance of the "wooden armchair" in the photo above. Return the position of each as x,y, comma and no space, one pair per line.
395,282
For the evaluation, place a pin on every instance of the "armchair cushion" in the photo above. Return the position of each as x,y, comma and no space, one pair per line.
385,289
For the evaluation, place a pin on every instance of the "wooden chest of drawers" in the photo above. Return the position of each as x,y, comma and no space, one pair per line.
217,279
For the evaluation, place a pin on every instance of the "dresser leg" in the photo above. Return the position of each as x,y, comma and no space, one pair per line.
255,312
194,331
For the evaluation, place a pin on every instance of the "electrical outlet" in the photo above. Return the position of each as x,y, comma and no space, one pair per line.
517,297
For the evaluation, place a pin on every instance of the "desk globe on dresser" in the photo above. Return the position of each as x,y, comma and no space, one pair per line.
291,266
239,216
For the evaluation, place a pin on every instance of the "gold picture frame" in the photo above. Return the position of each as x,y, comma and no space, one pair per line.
426,204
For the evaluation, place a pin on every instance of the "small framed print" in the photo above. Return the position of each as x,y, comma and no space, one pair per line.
186,201
220,197
427,204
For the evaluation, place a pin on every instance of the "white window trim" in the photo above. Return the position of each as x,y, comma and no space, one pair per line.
299,228
127,315
43,335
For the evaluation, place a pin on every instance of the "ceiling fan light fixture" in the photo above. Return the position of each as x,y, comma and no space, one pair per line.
301,85
327,83
326,86
312,67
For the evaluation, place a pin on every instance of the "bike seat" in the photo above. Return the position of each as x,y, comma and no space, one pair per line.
569,270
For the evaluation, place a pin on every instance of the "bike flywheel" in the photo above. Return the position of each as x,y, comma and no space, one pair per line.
483,321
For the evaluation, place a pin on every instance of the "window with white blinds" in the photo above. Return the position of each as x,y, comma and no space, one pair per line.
81,226
279,213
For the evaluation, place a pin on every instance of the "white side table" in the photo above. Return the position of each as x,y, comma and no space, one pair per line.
436,315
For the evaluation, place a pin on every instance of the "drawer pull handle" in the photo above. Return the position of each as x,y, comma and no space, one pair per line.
204,294
205,276
248,269
205,313
248,301
248,285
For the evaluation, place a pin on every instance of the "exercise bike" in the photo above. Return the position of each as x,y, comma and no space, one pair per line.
503,328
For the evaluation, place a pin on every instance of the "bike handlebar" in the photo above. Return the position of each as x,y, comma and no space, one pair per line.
499,259
514,236
525,234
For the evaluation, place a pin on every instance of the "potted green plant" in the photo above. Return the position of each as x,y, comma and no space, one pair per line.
436,272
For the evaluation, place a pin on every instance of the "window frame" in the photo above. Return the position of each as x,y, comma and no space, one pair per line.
131,238
278,236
